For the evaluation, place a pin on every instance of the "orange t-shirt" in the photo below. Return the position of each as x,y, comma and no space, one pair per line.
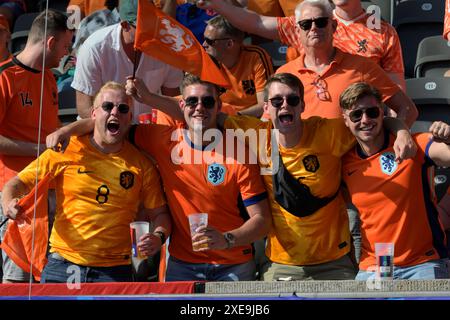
247,77
381,45
19,111
447,19
88,6
394,204
273,8
193,184
344,70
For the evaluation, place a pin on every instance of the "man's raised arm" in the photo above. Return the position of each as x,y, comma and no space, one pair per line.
244,19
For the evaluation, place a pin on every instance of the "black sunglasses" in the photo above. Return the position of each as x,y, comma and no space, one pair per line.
371,112
212,42
208,102
292,100
307,23
108,106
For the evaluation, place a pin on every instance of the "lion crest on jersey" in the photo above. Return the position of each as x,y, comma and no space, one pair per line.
387,163
174,36
126,179
216,174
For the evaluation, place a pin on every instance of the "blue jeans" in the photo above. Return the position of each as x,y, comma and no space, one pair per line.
178,270
434,269
63,271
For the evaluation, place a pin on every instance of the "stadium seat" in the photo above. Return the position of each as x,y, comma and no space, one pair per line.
67,106
277,51
432,98
21,28
433,57
386,8
414,21
67,116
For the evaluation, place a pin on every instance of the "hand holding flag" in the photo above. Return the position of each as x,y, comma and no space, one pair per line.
165,39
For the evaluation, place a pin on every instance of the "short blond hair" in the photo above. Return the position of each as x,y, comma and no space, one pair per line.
111,85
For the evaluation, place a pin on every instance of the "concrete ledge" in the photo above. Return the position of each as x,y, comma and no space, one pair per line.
334,289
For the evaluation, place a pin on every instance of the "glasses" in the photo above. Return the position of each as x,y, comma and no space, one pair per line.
108,106
306,24
371,112
212,42
291,100
321,89
208,102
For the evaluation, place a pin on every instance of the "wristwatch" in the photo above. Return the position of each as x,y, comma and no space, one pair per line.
230,239
161,235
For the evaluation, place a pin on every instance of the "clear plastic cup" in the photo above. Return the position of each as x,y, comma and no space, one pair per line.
385,260
137,230
197,220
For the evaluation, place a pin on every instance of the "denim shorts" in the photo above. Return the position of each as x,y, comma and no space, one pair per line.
178,270
60,270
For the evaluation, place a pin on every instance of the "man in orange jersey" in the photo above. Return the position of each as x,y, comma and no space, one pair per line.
357,32
393,198
100,181
85,7
247,67
200,176
20,105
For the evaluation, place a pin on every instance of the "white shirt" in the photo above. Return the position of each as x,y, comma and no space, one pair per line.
101,58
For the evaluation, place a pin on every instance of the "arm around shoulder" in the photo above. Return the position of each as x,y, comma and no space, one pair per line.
439,150
404,107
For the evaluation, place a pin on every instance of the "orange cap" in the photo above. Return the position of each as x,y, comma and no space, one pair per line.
4,23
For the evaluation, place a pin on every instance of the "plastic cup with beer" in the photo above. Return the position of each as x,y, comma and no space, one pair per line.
385,260
137,230
197,220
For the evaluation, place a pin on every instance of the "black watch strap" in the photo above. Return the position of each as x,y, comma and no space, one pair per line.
161,235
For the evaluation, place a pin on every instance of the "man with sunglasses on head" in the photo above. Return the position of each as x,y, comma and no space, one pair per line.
102,183
393,199
199,175
357,32
247,67
108,55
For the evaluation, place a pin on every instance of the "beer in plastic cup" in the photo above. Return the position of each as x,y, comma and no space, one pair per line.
197,220
137,230
385,260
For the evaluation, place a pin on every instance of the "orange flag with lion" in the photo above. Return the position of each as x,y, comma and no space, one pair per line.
17,243
165,39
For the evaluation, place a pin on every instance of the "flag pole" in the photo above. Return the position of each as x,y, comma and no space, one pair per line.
135,64
1,224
